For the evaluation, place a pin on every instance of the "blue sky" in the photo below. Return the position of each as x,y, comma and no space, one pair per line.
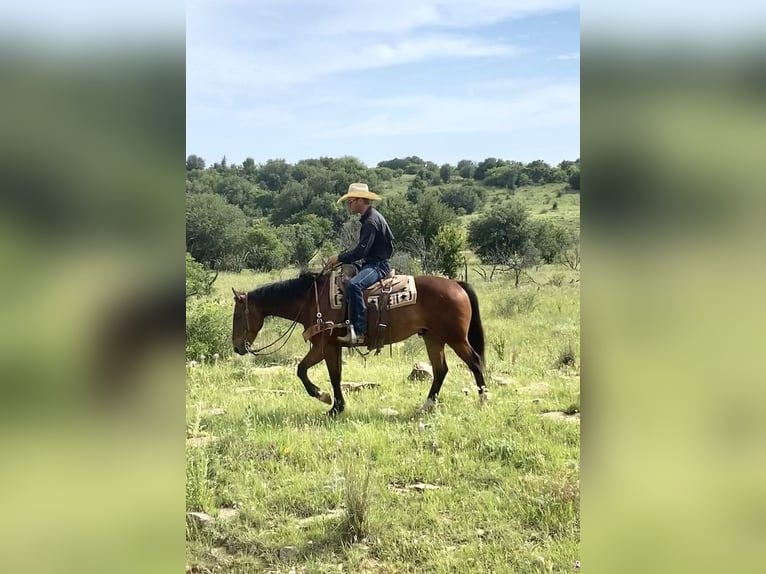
441,79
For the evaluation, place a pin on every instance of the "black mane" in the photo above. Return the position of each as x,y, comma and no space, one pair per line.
284,291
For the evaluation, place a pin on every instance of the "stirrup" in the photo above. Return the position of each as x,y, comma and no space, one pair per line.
351,339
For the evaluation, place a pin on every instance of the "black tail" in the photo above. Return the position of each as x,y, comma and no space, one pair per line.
475,330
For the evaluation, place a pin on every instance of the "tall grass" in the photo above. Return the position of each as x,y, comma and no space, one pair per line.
357,500
503,487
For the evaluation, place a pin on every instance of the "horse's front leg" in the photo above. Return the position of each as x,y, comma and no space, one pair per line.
334,362
313,357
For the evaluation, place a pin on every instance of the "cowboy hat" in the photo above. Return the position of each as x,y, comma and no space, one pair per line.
359,190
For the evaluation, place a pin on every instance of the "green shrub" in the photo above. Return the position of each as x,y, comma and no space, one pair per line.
199,495
522,302
208,328
557,279
199,281
566,357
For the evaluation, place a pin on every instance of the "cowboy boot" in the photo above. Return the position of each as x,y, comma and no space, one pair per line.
351,338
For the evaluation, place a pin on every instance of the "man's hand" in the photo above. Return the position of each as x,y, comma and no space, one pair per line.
331,262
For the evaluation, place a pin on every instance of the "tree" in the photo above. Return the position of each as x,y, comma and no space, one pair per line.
538,171
505,230
250,170
445,172
214,230
326,207
236,190
570,257
204,181
305,238
433,216
447,249
290,203
502,176
265,250
347,170
413,164
574,179
404,220
550,239
274,174
466,168
557,175
459,197
486,165
396,163
416,188
320,182
384,173
518,260
194,162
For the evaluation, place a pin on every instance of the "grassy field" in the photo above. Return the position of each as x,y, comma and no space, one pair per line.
382,489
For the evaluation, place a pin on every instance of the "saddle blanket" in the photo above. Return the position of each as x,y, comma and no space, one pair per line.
403,291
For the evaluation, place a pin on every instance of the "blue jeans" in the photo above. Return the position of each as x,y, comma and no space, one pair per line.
367,276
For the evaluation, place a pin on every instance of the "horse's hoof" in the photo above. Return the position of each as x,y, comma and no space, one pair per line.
334,412
483,397
325,397
427,407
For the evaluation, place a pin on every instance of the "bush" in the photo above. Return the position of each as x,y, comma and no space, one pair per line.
404,263
566,357
550,239
199,281
461,197
199,495
522,302
447,250
557,279
208,328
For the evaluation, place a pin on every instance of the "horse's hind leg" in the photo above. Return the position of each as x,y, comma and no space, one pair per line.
313,357
435,350
470,358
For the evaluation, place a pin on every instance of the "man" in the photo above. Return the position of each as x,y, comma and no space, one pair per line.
374,250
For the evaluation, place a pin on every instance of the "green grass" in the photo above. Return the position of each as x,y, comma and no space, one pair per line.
335,491
539,200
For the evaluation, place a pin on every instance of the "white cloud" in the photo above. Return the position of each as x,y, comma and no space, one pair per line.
554,104
221,69
568,56
277,66
352,19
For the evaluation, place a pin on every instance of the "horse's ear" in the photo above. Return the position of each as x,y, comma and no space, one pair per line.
237,295
235,292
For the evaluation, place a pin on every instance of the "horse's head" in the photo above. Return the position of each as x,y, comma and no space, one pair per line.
248,320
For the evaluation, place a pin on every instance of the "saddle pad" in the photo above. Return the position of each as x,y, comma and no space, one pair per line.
403,291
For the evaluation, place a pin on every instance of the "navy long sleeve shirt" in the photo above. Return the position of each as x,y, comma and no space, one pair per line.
375,240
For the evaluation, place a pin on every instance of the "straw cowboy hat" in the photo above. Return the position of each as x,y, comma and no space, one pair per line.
359,190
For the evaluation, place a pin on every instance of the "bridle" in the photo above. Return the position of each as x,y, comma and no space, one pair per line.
290,329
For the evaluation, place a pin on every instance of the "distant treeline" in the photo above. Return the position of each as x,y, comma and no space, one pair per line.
271,215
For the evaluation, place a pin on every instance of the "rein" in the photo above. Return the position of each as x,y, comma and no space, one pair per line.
290,329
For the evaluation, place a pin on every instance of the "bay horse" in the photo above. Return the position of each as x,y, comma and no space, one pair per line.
445,312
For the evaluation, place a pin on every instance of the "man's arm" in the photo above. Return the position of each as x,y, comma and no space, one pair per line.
366,239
